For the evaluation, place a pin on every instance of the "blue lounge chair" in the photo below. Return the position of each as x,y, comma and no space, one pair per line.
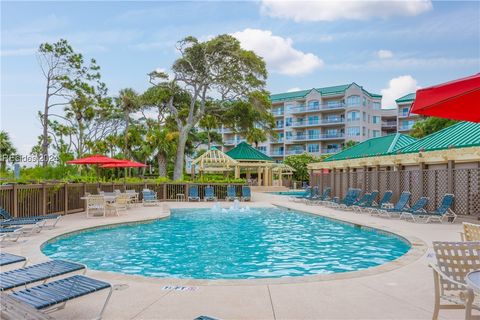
367,203
209,194
231,193
54,295
246,193
349,199
37,272
387,196
320,198
8,258
443,211
312,195
360,201
193,193
305,194
52,218
11,233
397,208
149,197
417,208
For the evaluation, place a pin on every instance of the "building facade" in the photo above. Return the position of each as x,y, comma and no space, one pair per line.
405,120
318,121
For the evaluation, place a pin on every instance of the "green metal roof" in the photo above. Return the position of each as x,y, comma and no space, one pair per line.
406,98
374,147
323,91
243,151
460,135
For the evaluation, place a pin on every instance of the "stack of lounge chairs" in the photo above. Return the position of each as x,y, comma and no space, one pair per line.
48,296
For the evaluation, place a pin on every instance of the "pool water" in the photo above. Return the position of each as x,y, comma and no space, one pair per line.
238,244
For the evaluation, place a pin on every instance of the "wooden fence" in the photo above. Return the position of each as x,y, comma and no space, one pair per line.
40,199
463,183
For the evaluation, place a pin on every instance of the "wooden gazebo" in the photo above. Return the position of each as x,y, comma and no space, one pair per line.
215,161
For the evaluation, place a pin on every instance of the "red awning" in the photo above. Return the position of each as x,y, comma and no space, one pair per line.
95,159
457,100
124,164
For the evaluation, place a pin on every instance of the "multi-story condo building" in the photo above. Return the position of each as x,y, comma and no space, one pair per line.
318,121
389,121
405,120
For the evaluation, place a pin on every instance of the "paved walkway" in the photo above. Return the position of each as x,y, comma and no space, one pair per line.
400,290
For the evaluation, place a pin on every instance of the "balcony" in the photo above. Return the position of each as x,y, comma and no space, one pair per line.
405,128
389,124
276,153
279,127
278,140
277,113
316,108
330,151
333,135
299,124
232,142
333,121
295,151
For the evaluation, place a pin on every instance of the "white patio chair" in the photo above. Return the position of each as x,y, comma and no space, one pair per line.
454,260
121,203
96,203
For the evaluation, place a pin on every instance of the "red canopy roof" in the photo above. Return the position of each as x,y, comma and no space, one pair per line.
458,100
95,159
124,164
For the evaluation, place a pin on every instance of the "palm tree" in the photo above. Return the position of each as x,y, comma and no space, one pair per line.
255,136
127,102
6,149
209,123
163,142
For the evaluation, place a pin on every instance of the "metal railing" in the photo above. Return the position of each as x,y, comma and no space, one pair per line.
41,199
319,107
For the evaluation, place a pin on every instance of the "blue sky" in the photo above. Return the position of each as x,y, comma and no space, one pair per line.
387,47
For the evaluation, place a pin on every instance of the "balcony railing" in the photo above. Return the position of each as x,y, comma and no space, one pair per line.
279,127
329,151
333,120
409,127
389,123
305,123
305,137
312,108
230,142
277,113
276,153
295,151
277,140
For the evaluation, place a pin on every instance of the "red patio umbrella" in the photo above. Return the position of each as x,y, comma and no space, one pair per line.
95,159
124,164
457,100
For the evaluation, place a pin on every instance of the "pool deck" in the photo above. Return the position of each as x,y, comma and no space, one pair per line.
402,289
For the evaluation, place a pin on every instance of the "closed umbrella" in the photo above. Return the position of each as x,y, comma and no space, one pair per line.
457,100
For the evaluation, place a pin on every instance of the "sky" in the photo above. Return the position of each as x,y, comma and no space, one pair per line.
392,48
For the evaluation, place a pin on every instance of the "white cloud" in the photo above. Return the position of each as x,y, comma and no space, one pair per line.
398,87
350,10
294,89
278,52
384,54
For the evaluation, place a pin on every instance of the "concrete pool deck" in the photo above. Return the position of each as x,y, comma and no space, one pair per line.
402,289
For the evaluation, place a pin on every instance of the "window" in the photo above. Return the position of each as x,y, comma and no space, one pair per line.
288,122
404,111
353,101
333,104
376,119
290,107
262,149
288,135
279,123
364,101
364,131
376,106
368,118
278,111
376,133
407,124
353,131
313,120
353,116
313,147
364,116
314,134
313,105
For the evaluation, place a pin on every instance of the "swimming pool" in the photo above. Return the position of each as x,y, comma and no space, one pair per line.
205,244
